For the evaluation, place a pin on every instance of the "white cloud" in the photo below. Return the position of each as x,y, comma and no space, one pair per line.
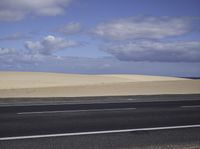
142,27
50,44
71,28
14,10
11,56
180,51
33,45
7,51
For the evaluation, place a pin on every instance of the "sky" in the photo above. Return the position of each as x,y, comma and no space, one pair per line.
151,37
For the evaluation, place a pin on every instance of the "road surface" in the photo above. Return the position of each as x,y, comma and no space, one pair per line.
35,121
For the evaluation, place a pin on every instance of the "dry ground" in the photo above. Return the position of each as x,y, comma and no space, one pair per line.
33,84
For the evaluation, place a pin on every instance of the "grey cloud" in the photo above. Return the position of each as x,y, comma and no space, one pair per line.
20,60
143,28
14,10
71,28
50,44
180,51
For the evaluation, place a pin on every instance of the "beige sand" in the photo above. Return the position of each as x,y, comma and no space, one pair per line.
34,84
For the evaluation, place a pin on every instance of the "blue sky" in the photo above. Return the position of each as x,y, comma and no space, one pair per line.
156,37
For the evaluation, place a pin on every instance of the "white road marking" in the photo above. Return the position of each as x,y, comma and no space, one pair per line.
194,106
65,111
97,132
130,99
62,103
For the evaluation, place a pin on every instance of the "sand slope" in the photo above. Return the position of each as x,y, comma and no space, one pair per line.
34,84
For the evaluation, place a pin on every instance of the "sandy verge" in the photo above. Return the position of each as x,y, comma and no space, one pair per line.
28,84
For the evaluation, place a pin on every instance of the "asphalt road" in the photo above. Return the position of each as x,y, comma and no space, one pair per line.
16,121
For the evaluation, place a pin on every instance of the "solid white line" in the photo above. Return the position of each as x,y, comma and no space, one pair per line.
64,111
97,132
194,106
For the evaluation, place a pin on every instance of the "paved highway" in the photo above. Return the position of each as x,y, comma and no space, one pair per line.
21,122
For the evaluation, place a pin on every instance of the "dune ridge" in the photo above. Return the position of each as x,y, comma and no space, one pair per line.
37,84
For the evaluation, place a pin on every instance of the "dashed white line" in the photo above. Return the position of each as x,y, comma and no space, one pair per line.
70,111
193,106
130,99
97,132
60,103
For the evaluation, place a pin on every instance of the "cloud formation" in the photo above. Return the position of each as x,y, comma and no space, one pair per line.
10,57
7,51
180,51
142,28
14,10
50,44
18,60
71,28
145,38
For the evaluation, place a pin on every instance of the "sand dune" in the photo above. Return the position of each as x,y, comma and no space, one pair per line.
16,80
34,84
